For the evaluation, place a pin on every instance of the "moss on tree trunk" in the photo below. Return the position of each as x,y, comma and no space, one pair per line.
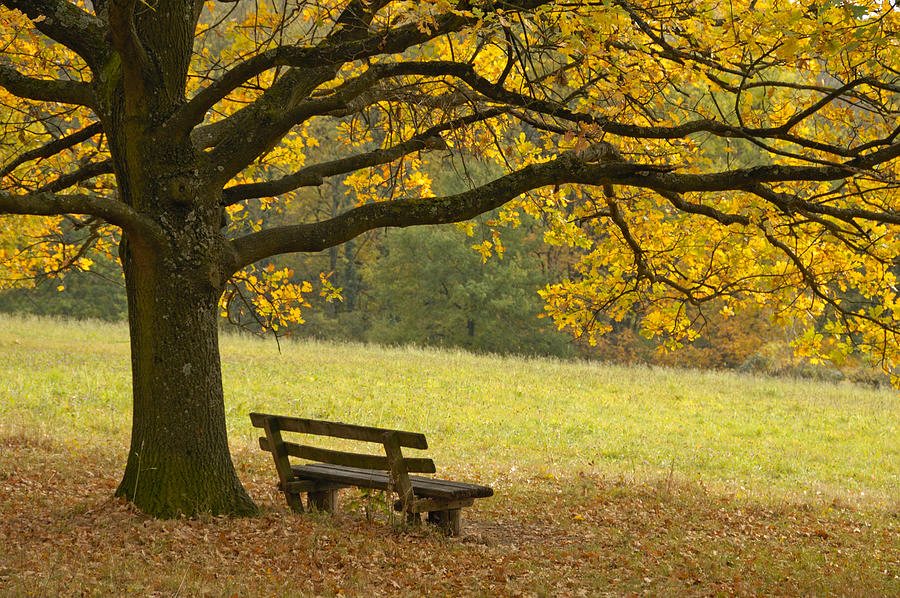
179,462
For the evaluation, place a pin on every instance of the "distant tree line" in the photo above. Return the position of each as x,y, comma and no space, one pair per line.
98,294
429,287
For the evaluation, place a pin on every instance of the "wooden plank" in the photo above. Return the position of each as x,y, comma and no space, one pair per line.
340,430
364,478
451,487
360,460
279,454
426,505
426,487
399,475
282,464
298,486
439,486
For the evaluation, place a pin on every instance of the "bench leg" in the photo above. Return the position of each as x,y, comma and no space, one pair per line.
454,527
413,519
323,500
294,501
449,521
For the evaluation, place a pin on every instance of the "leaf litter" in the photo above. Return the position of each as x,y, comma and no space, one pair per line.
62,533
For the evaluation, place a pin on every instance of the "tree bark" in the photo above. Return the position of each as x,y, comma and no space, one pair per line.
179,463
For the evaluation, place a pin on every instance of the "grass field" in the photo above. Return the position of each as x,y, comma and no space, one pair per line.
608,480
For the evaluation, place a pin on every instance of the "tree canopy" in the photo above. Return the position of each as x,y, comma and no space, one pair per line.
691,153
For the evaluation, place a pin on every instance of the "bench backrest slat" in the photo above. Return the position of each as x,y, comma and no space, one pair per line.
340,430
301,451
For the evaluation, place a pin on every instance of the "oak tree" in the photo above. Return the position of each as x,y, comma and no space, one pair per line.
153,128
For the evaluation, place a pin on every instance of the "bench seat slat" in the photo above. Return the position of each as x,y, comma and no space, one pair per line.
312,486
312,453
380,480
339,430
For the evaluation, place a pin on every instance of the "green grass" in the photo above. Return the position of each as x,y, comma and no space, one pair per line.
609,480
500,417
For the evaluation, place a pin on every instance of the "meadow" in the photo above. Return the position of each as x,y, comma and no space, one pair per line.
608,479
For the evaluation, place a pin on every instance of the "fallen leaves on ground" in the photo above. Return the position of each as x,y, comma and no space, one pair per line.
62,533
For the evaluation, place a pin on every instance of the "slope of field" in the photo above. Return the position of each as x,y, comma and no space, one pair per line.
607,479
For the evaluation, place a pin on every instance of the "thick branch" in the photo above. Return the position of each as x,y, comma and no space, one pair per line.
417,211
52,148
49,204
315,68
84,173
136,62
45,90
568,168
259,131
498,93
790,204
313,175
67,24
326,59
291,108
193,112
350,27
233,153
703,210
749,179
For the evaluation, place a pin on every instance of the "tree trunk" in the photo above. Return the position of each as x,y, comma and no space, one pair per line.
179,462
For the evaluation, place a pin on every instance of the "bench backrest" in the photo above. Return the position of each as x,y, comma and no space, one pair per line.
392,441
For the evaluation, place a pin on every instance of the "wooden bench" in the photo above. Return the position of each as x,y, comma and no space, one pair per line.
441,499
